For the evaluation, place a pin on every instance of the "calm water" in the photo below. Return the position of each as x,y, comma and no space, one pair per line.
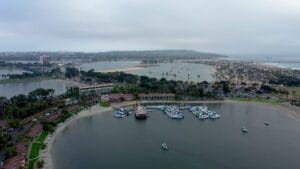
197,72
108,65
102,141
11,89
183,71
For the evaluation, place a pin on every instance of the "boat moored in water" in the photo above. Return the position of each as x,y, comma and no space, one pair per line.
164,146
244,130
140,112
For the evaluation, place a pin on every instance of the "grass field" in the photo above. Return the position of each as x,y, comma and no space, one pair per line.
35,149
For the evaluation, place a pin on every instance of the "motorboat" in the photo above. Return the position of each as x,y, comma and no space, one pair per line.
244,130
214,116
117,115
203,116
164,146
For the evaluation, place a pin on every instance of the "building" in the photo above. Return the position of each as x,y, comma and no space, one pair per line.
117,97
99,89
71,101
157,96
45,60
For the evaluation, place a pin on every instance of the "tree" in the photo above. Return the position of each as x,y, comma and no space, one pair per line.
71,72
40,164
72,92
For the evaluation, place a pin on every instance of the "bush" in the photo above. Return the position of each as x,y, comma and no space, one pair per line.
40,164
44,146
104,103
10,151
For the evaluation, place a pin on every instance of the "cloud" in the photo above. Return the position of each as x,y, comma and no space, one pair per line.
232,26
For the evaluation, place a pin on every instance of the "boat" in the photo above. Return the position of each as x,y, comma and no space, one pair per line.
117,115
267,123
214,116
164,146
121,112
140,112
244,130
173,112
202,112
203,116
177,115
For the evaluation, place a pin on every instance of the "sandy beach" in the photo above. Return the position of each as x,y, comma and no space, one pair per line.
97,109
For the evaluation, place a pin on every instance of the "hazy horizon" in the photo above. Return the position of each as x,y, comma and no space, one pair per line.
235,27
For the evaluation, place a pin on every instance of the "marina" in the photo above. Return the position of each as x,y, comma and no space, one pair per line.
214,139
175,111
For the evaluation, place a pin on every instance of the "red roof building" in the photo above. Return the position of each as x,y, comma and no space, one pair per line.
118,97
35,131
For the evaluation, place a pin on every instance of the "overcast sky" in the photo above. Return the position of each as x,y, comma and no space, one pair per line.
223,26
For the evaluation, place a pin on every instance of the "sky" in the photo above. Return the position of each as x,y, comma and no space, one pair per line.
266,27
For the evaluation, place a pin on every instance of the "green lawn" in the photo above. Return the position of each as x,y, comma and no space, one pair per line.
35,149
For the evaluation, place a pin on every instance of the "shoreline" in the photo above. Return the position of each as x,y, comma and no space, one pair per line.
97,109
127,69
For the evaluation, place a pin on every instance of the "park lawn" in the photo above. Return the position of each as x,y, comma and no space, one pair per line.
35,149
42,136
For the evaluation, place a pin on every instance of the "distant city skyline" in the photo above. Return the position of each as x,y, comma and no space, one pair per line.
232,27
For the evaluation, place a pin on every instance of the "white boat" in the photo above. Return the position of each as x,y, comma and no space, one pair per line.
244,130
203,116
267,123
119,115
177,115
214,116
173,112
164,146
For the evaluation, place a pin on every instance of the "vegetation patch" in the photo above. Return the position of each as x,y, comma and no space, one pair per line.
104,103
35,149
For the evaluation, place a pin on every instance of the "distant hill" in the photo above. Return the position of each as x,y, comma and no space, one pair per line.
113,55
